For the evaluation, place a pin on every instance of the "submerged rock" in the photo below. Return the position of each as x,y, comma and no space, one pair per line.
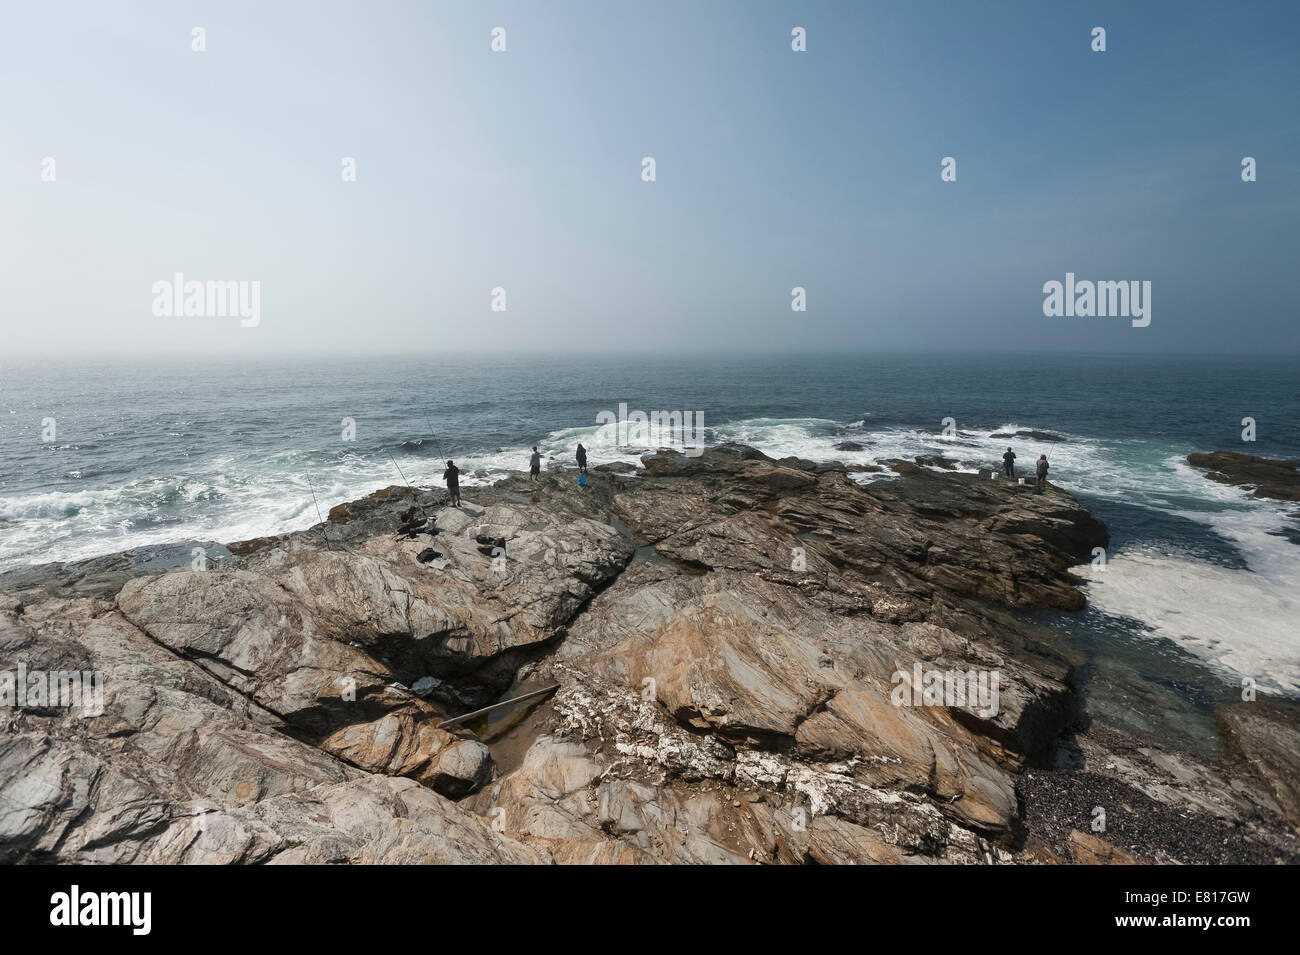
936,461
1026,434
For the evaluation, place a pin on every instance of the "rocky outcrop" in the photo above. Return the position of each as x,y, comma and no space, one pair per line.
757,661
936,461
1265,736
176,766
1265,476
323,637
1026,434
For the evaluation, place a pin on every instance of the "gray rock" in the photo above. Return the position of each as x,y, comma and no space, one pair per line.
731,637
1269,478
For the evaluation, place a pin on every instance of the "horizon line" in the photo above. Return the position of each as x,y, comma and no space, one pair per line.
675,355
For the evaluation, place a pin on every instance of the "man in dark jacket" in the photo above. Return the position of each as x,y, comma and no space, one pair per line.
582,459
1042,472
452,477
534,464
1009,463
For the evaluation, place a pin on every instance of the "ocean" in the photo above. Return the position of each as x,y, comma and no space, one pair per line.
1198,592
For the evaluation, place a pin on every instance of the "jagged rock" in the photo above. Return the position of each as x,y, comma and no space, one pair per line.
1087,849
304,628
737,643
936,461
464,767
1265,735
244,548
1028,435
1268,477
180,767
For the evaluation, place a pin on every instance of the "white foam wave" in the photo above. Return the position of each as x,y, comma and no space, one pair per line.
1237,621
1240,621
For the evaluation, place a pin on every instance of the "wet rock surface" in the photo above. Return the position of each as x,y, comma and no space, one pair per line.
745,650
1267,477
1025,434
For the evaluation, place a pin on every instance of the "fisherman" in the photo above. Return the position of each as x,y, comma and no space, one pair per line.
582,459
1009,463
534,464
1042,472
452,477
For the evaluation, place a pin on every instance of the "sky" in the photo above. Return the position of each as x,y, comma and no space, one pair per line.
522,170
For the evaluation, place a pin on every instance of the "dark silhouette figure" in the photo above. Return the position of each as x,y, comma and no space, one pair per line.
534,464
410,523
582,459
1042,472
452,477
1009,463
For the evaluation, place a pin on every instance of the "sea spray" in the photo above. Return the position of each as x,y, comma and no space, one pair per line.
658,429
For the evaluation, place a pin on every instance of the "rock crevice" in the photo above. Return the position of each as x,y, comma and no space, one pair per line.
735,641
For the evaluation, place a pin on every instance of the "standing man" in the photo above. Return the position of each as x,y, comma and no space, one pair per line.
452,477
582,459
1042,472
1009,463
534,465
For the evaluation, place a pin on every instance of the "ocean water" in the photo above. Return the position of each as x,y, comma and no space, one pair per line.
1198,576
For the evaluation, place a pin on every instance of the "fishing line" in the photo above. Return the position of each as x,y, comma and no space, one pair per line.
323,531
436,443
399,469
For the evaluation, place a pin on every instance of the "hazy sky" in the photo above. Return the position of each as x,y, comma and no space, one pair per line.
522,169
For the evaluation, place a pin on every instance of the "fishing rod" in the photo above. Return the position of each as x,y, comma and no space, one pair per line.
436,443
324,532
399,469
408,485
